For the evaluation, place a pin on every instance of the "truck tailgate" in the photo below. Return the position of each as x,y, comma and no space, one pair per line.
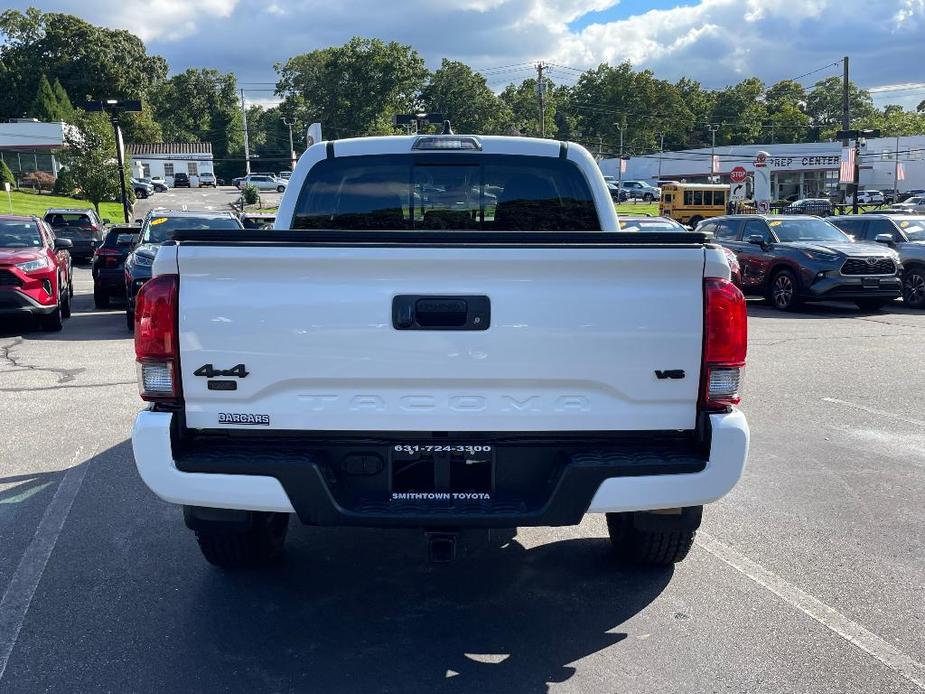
575,338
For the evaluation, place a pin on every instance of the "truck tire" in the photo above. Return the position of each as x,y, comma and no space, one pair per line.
100,298
258,545
651,539
280,189
694,221
914,287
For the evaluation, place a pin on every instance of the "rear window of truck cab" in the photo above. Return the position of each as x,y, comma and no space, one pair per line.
446,191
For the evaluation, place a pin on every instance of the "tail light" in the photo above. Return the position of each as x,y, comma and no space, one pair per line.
109,256
156,335
725,342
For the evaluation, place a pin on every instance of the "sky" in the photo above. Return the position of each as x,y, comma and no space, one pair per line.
717,42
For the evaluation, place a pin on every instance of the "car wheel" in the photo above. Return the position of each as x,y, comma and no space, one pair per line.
654,539
694,221
280,189
100,298
53,322
66,304
648,197
130,321
259,545
783,291
914,287
871,304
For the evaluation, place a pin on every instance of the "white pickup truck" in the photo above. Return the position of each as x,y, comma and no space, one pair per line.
443,332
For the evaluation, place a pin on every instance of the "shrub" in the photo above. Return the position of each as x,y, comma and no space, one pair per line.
250,194
40,180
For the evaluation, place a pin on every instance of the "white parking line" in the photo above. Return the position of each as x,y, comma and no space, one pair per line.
871,410
18,595
829,617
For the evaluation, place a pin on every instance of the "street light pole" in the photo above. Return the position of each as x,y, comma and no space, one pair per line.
114,107
290,123
661,151
620,127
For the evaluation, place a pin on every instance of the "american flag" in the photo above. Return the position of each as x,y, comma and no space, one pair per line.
846,171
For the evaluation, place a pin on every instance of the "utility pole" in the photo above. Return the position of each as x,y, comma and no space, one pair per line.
620,127
712,127
541,93
114,107
896,172
247,151
290,123
661,151
846,122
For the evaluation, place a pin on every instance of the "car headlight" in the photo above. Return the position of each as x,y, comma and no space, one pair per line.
142,260
821,256
33,265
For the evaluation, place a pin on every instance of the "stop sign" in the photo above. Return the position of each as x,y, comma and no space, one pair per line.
737,175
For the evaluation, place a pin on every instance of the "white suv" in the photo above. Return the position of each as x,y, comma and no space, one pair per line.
207,178
264,183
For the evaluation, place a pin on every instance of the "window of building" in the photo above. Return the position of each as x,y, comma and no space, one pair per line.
146,170
191,168
168,169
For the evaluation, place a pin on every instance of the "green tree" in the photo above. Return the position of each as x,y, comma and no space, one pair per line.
6,176
785,103
523,105
90,62
65,109
45,105
740,113
89,159
464,97
353,89
824,106
202,105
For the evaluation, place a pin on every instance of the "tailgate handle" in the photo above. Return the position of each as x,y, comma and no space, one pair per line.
421,312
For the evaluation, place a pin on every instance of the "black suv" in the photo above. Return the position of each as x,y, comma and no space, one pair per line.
181,180
791,259
108,267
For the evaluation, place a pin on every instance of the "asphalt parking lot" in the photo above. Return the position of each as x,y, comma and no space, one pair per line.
808,577
216,199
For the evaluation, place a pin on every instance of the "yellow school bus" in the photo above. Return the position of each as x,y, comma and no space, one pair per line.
689,203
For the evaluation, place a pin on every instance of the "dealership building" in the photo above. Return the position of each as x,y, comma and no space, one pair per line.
28,145
806,170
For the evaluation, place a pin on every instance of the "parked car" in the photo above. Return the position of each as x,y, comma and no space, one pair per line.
299,364
792,259
914,193
181,180
257,220
157,227
640,190
142,188
35,271
914,204
263,183
206,179
108,265
616,194
818,207
82,227
648,223
867,197
903,233
285,175
159,186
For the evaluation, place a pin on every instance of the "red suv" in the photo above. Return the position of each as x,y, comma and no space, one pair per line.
35,271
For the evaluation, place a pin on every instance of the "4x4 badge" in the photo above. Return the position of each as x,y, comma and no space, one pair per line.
209,371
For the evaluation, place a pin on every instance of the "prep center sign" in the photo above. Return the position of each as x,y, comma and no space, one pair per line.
820,161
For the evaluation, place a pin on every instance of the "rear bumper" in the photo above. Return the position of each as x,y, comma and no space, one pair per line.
614,480
110,279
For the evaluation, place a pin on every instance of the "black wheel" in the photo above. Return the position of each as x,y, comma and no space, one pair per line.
654,539
259,545
871,304
648,197
70,288
695,220
280,189
914,287
783,291
130,321
66,304
100,298
54,321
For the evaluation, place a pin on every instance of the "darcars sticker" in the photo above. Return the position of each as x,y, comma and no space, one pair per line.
245,418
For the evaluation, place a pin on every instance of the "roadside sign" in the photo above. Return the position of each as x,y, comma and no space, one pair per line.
737,192
737,175
763,206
